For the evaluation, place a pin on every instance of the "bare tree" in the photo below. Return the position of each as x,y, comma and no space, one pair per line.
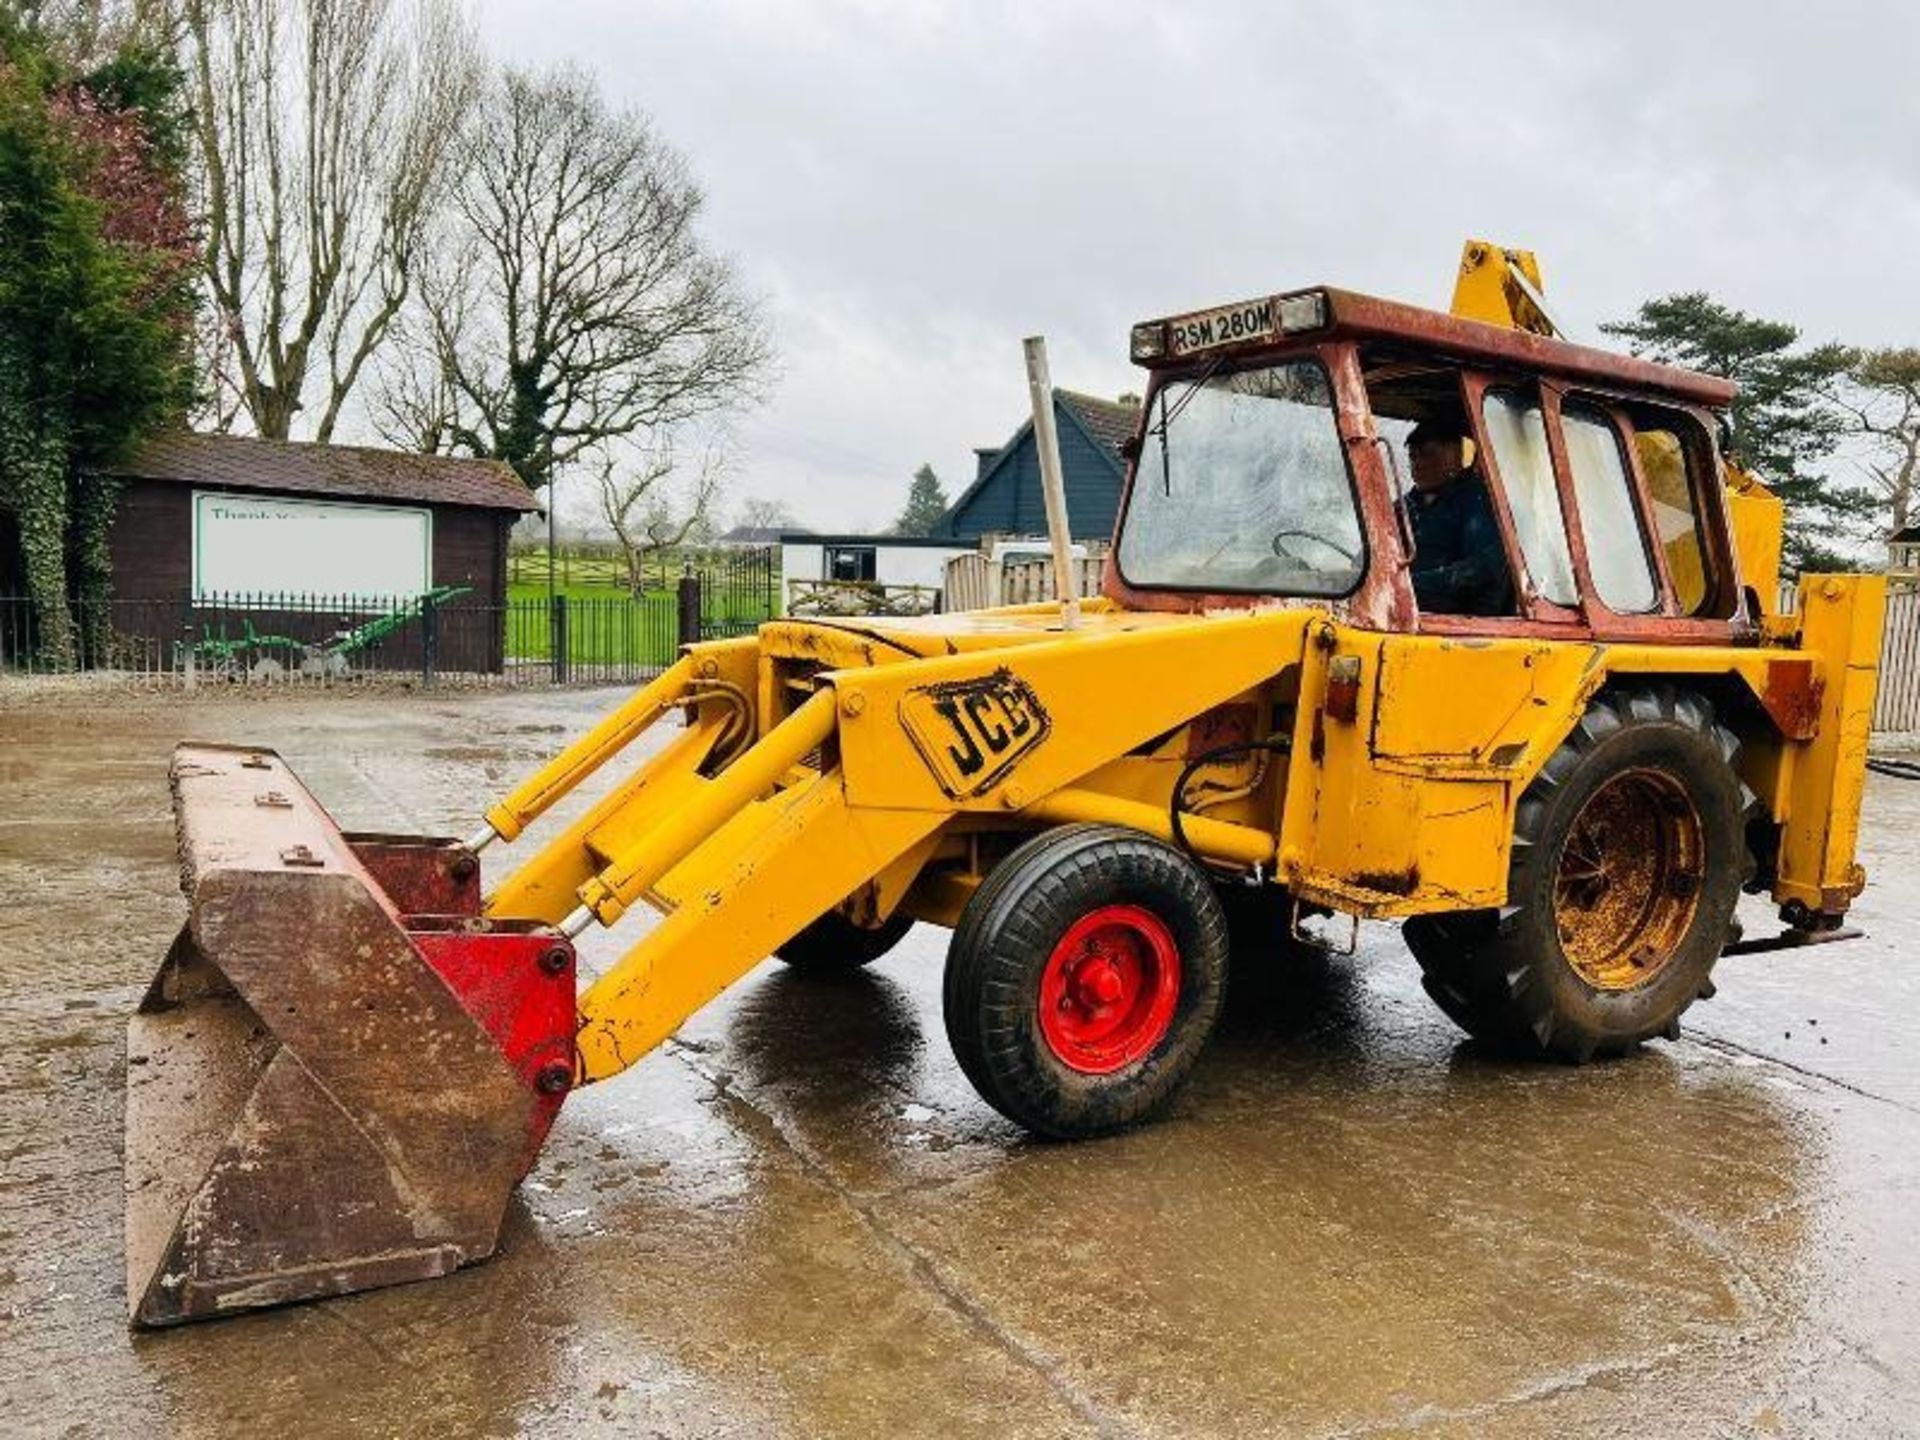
1881,399
646,510
574,310
761,513
415,405
84,32
326,132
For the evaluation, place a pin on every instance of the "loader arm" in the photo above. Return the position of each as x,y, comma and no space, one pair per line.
743,851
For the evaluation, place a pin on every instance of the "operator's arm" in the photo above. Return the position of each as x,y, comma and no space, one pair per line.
1475,584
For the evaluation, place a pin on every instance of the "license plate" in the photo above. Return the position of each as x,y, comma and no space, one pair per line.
1229,325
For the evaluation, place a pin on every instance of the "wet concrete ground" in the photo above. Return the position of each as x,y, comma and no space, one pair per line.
797,1219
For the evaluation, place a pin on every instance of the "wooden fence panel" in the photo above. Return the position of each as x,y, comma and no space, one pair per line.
965,586
974,582
1896,711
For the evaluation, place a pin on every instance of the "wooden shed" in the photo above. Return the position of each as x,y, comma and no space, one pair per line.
219,539
205,515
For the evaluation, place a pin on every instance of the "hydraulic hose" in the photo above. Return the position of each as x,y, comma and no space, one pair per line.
1177,804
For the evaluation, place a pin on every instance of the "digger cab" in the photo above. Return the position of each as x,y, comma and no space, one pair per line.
1274,464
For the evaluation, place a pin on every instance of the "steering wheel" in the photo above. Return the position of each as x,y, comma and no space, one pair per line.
1287,552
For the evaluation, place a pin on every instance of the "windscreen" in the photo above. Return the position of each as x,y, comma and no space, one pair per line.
1241,486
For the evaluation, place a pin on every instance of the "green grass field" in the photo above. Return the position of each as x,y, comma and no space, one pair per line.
526,591
607,626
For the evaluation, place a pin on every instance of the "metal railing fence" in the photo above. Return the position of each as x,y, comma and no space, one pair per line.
291,639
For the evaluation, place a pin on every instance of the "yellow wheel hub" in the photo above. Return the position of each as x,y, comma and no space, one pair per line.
1628,878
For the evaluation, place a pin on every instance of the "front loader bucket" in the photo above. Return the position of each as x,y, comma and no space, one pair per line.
341,1070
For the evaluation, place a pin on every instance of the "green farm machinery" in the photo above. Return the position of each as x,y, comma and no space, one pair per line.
265,655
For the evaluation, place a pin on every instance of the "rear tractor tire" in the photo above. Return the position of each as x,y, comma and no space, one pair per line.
1084,978
834,945
1629,850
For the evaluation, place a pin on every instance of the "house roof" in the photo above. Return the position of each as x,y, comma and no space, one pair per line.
882,542
1106,423
352,472
1907,536
759,534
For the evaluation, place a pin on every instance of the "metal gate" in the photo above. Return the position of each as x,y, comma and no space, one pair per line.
739,591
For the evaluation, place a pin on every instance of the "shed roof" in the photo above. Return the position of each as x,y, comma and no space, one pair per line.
350,472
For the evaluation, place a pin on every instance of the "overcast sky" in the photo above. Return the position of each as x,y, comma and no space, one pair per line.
913,186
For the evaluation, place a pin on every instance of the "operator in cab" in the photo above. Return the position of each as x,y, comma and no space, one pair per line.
1459,565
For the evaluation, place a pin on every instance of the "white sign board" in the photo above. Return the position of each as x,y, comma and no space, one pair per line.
252,545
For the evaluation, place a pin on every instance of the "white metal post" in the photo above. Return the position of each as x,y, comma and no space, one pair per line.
1046,438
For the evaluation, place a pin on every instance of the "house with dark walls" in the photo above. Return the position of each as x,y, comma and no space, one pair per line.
1005,498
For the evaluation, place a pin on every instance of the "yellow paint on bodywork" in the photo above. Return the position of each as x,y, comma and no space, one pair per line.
1470,707
1408,808
783,861
1840,620
1105,689
1396,800
1487,288
1414,832
1759,521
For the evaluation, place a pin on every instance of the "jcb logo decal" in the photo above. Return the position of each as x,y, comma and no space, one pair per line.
971,732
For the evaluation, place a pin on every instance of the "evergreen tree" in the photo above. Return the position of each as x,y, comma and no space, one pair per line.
926,503
96,257
1784,420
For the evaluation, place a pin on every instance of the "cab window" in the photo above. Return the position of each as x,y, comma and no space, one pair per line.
1623,577
1669,467
1443,499
1242,485
1517,435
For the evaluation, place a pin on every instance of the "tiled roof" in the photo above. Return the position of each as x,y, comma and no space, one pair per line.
1107,421
348,471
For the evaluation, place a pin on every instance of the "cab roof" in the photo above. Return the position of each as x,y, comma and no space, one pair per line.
1349,315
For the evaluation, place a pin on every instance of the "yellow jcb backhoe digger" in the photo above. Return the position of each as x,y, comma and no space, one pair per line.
1557,752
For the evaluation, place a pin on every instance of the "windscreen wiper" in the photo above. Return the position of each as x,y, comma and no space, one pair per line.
1167,417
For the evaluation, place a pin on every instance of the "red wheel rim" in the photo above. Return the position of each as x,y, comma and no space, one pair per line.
1109,991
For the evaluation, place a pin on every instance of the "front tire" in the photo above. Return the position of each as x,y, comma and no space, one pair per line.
1084,979
1628,855
834,945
